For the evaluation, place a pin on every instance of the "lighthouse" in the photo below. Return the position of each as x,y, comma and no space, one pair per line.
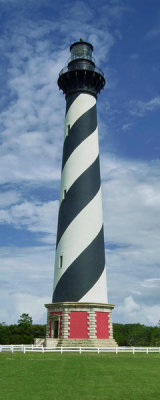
79,313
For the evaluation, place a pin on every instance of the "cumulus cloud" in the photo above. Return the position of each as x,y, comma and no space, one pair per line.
32,122
134,312
153,33
127,126
134,56
19,303
131,204
27,275
32,118
9,197
34,217
33,305
131,193
151,283
140,108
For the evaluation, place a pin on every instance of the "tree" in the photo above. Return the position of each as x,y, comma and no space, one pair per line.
25,319
4,334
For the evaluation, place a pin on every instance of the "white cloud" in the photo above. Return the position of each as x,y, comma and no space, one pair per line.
127,126
131,200
133,312
33,119
134,56
18,303
27,283
9,197
33,305
35,217
140,108
153,33
118,9
131,204
151,283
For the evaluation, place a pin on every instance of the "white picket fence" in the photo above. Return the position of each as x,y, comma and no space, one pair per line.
31,348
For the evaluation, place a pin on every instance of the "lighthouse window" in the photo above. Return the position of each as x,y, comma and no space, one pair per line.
60,261
68,129
64,193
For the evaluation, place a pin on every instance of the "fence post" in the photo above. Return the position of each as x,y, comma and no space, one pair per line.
24,349
61,349
116,350
12,348
80,350
133,350
147,350
42,349
98,350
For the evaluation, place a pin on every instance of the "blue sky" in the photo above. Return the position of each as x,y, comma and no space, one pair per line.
34,45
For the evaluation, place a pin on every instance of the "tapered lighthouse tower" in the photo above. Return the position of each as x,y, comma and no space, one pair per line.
79,313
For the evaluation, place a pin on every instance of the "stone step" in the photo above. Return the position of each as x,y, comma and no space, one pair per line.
87,342
51,342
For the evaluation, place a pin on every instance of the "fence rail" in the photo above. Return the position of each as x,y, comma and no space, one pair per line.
32,348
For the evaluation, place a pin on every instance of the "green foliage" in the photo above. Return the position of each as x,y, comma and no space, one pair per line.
136,335
25,319
23,333
4,334
155,336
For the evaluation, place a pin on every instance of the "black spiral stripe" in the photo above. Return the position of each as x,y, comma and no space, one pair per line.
83,273
70,100
78,196
81,129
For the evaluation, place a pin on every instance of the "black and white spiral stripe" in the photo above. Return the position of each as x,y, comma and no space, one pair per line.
80,262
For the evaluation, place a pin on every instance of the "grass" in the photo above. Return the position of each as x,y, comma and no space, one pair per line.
50,376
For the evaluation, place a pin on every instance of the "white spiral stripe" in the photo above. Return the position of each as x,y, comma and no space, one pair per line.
80,160
79,235
80,105
98,292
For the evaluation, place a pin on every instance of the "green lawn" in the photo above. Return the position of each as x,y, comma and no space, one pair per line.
69,376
